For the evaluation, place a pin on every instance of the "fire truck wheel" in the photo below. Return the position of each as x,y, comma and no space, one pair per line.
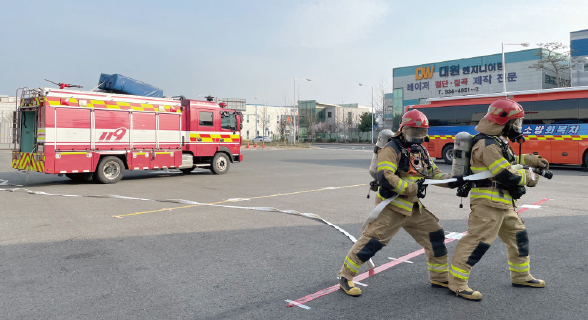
188,170
447,154
220,163
80,177
110,170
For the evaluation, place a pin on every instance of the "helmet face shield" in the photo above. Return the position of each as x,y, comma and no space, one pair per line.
517,125
414,134
513,130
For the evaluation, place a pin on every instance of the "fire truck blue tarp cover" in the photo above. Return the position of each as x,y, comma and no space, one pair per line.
121,84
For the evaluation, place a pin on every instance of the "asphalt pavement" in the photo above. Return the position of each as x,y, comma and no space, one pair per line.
81,251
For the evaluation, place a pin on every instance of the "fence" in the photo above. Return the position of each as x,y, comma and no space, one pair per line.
353,136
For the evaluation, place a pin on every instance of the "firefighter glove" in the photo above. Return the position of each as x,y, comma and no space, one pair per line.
457,183
532,178
536,161
422,188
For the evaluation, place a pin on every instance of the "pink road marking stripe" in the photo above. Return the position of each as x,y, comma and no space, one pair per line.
535,204
362,276
377,270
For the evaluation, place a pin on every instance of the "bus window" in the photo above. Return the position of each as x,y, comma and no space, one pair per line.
583,110
442,116
554,111
470,115
528,107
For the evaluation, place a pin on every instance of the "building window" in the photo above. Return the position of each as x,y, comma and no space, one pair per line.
349,115
329,115
247,134
247,118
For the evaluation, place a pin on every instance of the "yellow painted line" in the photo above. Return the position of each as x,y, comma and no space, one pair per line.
231,201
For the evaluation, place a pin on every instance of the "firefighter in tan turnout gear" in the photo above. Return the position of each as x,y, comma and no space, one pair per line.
402,166
492,200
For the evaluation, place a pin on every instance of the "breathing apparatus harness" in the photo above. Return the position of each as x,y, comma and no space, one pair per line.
516,192
411,161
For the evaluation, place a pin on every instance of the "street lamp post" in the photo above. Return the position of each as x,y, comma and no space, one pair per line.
525,44
256,131
365,85
294,116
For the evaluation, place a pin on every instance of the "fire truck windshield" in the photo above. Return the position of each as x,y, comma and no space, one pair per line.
228,120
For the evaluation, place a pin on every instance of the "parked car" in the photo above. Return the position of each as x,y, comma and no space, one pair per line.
260,139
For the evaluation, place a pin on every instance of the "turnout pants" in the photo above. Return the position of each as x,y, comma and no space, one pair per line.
422,225
485,223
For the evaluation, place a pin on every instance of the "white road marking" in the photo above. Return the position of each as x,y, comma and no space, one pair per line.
298,304
531,206
402,261
357,282
238,199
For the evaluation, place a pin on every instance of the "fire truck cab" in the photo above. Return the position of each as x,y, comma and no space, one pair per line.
89,135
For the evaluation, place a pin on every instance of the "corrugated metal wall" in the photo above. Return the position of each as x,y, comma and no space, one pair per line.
7,107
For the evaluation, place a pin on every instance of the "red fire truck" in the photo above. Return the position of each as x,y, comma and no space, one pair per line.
89,135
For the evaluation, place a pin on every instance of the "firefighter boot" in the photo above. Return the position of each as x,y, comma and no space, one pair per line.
439,284
469,294
533,283
349,287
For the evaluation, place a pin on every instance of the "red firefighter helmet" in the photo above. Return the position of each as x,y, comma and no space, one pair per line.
414,126
414,118
503,110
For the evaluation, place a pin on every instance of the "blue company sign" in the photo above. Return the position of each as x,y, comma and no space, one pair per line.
453,70
539,129
556,129
460,85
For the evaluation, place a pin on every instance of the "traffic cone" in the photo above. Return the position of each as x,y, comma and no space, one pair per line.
247,144
255,144
263,144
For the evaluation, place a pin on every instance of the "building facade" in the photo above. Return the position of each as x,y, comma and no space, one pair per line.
330,120
262,120
579,53
7,108
470,76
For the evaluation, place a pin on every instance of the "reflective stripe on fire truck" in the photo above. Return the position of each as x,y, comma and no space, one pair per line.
116,105
205,136
29,161
529,137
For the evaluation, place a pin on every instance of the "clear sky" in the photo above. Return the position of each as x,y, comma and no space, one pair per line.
247,49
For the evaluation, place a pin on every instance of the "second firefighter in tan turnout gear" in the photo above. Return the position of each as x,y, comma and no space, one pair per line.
396,175
492,201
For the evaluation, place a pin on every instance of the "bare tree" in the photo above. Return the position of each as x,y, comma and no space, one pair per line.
348,125
341,127
554,57
264,120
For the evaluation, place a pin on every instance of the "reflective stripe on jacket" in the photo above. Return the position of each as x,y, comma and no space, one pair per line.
401,182
489,156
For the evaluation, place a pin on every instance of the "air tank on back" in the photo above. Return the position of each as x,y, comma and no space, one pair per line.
462,152
383,139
